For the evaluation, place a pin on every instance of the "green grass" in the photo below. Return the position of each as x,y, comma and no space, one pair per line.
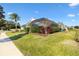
13,33
37,45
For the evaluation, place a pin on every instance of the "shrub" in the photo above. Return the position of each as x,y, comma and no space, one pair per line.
77,27
35,29
55,29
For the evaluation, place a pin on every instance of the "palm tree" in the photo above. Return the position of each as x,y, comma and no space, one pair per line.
15,17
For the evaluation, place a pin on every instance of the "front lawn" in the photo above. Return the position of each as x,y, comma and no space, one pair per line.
57,44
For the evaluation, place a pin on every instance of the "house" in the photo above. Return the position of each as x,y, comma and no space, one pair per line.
45,25
62,27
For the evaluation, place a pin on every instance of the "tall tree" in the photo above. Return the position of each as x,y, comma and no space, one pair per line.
2,16
1,12
15,17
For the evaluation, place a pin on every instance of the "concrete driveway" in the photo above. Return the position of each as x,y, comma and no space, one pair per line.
7,47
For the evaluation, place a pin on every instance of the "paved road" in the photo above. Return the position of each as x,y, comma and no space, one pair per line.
7,47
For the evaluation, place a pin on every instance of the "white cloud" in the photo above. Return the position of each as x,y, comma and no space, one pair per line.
32,19
71,15
9,13
73,20
36,12
78,14
73,4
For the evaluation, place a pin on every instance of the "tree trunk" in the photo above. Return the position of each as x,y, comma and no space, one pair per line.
16,25
30,29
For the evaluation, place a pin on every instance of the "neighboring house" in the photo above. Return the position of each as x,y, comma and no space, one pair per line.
22,28
62,26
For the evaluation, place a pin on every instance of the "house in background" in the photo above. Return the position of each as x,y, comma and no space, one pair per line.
63,27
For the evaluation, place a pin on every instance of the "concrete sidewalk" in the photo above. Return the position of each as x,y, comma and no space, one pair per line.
7,47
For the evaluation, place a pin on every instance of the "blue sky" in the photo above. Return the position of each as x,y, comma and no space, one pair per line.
68,13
